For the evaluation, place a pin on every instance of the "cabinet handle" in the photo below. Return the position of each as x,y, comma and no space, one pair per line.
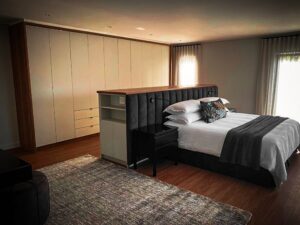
91,117
92,126
91,108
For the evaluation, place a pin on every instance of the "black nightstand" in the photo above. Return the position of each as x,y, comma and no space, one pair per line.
154,140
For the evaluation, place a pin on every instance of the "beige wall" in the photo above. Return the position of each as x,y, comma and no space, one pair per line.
233,66
8,118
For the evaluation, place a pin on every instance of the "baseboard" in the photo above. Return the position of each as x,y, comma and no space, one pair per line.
9,146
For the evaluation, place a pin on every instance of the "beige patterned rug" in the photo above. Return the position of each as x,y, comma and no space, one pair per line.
89,191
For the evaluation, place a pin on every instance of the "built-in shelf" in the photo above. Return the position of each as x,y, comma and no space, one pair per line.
113,127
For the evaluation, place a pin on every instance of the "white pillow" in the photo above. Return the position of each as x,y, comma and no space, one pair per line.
185,118
188,106
171,124
209,99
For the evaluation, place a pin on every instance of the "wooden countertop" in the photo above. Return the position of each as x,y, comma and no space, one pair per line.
132,91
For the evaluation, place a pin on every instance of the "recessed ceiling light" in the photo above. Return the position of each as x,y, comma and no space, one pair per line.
140,28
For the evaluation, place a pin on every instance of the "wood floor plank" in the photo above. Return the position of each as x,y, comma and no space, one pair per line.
268,206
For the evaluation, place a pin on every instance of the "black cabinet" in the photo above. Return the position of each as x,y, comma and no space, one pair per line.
13,170
153,141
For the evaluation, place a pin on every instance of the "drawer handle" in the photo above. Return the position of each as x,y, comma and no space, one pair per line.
91,117
91,108
92,126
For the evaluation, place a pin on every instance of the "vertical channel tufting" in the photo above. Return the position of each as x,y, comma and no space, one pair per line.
158,107
190,93
205,92
132,121
166,99
209,93
184,95
178,96
142,110
150,108
172,97
195,90
201,90
132,109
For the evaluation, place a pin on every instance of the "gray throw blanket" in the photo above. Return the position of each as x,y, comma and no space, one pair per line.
242,144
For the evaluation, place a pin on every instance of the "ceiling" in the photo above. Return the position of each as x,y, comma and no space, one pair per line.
166,21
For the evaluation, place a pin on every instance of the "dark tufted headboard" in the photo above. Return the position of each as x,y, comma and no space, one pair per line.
147,108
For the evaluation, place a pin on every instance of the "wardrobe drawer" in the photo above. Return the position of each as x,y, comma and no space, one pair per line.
93,129
86,113
86,122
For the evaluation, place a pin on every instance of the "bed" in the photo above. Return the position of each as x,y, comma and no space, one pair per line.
208,138
201,143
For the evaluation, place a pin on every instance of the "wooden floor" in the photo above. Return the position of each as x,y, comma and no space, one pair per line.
268,206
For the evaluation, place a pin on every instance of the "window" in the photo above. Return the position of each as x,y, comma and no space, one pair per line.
188,71
287,99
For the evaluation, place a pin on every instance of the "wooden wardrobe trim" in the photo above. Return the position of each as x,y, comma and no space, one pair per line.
21,74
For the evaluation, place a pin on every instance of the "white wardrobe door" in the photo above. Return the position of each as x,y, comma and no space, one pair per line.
124,63
96,67
136,64
41,84
62,84
147,63
157,66
111,63
80,70
165,65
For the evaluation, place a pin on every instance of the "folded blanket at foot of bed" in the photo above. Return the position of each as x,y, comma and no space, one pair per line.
243,144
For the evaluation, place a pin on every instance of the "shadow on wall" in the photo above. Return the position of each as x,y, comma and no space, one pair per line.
9,137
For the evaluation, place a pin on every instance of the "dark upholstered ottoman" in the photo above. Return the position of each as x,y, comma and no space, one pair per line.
25,203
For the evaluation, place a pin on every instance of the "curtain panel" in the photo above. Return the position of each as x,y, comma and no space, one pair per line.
271,50
177,54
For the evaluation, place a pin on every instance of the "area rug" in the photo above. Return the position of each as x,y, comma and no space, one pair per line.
90,191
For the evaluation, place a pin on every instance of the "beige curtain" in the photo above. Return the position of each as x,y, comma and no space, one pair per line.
271,50
186,53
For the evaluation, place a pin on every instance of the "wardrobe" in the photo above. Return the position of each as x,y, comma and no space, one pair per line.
57,74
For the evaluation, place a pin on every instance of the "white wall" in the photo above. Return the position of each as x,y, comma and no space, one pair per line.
9,137
233,66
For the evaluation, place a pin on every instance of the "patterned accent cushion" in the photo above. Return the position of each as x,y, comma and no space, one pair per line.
212,111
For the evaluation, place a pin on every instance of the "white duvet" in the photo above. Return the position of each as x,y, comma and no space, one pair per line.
277,145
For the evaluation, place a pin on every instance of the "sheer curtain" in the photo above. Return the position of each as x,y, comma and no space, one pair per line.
272,49
287,101
185,65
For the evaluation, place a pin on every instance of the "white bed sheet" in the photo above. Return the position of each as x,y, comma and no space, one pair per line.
277,145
